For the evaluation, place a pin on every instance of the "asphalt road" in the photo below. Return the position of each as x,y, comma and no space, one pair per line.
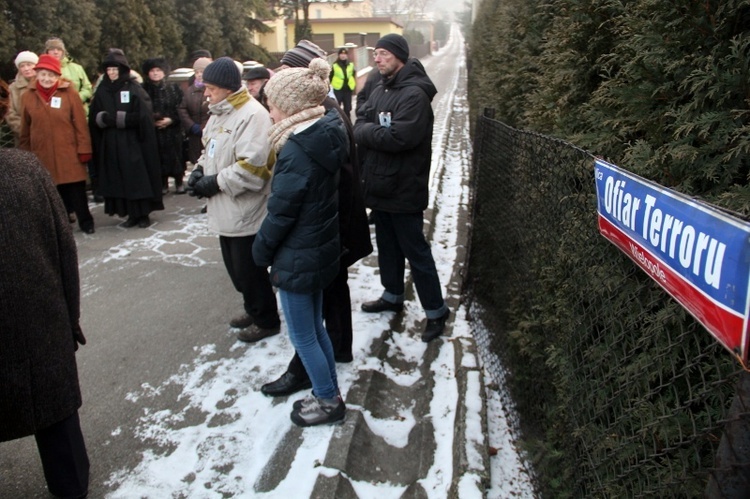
149,298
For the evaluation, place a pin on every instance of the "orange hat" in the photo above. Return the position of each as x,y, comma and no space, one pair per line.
49,63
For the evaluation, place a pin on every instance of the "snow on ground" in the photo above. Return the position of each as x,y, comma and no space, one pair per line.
225,432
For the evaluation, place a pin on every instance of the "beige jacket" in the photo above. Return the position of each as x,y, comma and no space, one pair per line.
13,117
236,148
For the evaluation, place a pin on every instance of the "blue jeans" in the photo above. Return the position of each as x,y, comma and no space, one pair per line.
304,319
400,236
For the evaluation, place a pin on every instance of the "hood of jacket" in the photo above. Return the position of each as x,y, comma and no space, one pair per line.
326,144
412,74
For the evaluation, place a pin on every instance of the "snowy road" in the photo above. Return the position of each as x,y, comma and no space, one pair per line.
171,401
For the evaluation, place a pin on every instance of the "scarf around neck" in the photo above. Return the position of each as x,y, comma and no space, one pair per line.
279,133
47,93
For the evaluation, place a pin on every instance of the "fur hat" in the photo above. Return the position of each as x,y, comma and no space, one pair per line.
223,73
156,62
116,58
295,89
256,73
49,63
26,56
201,63
301,55
54,43
396,45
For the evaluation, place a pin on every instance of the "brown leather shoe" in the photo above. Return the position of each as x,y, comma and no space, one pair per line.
254,333
241,321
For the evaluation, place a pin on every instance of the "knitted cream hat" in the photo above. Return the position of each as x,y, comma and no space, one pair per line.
26,56
293,90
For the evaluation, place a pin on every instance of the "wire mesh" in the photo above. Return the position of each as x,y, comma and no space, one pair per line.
620,392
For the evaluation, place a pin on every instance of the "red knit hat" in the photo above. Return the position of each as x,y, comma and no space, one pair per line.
49,63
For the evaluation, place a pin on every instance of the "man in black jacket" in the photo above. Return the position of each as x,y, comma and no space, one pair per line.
394,135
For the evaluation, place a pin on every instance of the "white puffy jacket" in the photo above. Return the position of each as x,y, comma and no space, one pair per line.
236,148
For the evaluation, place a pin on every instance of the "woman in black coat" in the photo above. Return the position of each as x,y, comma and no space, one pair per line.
165,99
124,143
39,332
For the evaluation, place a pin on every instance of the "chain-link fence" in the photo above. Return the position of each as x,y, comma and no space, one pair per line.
6,136
620,392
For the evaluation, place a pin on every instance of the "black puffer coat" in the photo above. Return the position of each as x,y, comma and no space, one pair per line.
396,159
39,300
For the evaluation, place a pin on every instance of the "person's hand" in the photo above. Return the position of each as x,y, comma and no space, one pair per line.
78,337
103,120
196,130
195,176
207,186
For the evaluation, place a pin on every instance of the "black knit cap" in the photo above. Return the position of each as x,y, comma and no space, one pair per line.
396,45
223,73
156,62
301,55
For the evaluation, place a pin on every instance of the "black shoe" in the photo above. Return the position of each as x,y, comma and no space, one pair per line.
343,358
204,209
241,321
287,384
130,222
98,198
380,305
144,222
89,230
435,327
255,333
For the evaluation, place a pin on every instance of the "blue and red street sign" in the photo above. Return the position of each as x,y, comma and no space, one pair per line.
697,253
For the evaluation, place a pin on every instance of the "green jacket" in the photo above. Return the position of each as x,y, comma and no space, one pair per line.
76,74
337,80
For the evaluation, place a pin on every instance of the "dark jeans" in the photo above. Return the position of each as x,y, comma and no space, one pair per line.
76,201
400,237
64,458
250,280
337,314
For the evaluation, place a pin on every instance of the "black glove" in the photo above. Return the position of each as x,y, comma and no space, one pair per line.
207,186
196,130
78,337
195,175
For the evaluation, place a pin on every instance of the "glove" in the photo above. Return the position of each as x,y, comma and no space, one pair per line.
196,130
84,158
195,176
207,186
78,337
103,119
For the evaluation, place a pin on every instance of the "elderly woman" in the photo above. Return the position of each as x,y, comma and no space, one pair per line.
53,126
299,238
165,99
39,322
25,62
71,71
125,152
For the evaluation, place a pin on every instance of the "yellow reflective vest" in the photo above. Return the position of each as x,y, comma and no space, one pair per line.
337,80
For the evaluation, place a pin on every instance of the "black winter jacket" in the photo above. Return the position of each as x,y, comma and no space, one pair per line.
396,159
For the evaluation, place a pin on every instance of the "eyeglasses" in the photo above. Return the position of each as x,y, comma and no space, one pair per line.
383,54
